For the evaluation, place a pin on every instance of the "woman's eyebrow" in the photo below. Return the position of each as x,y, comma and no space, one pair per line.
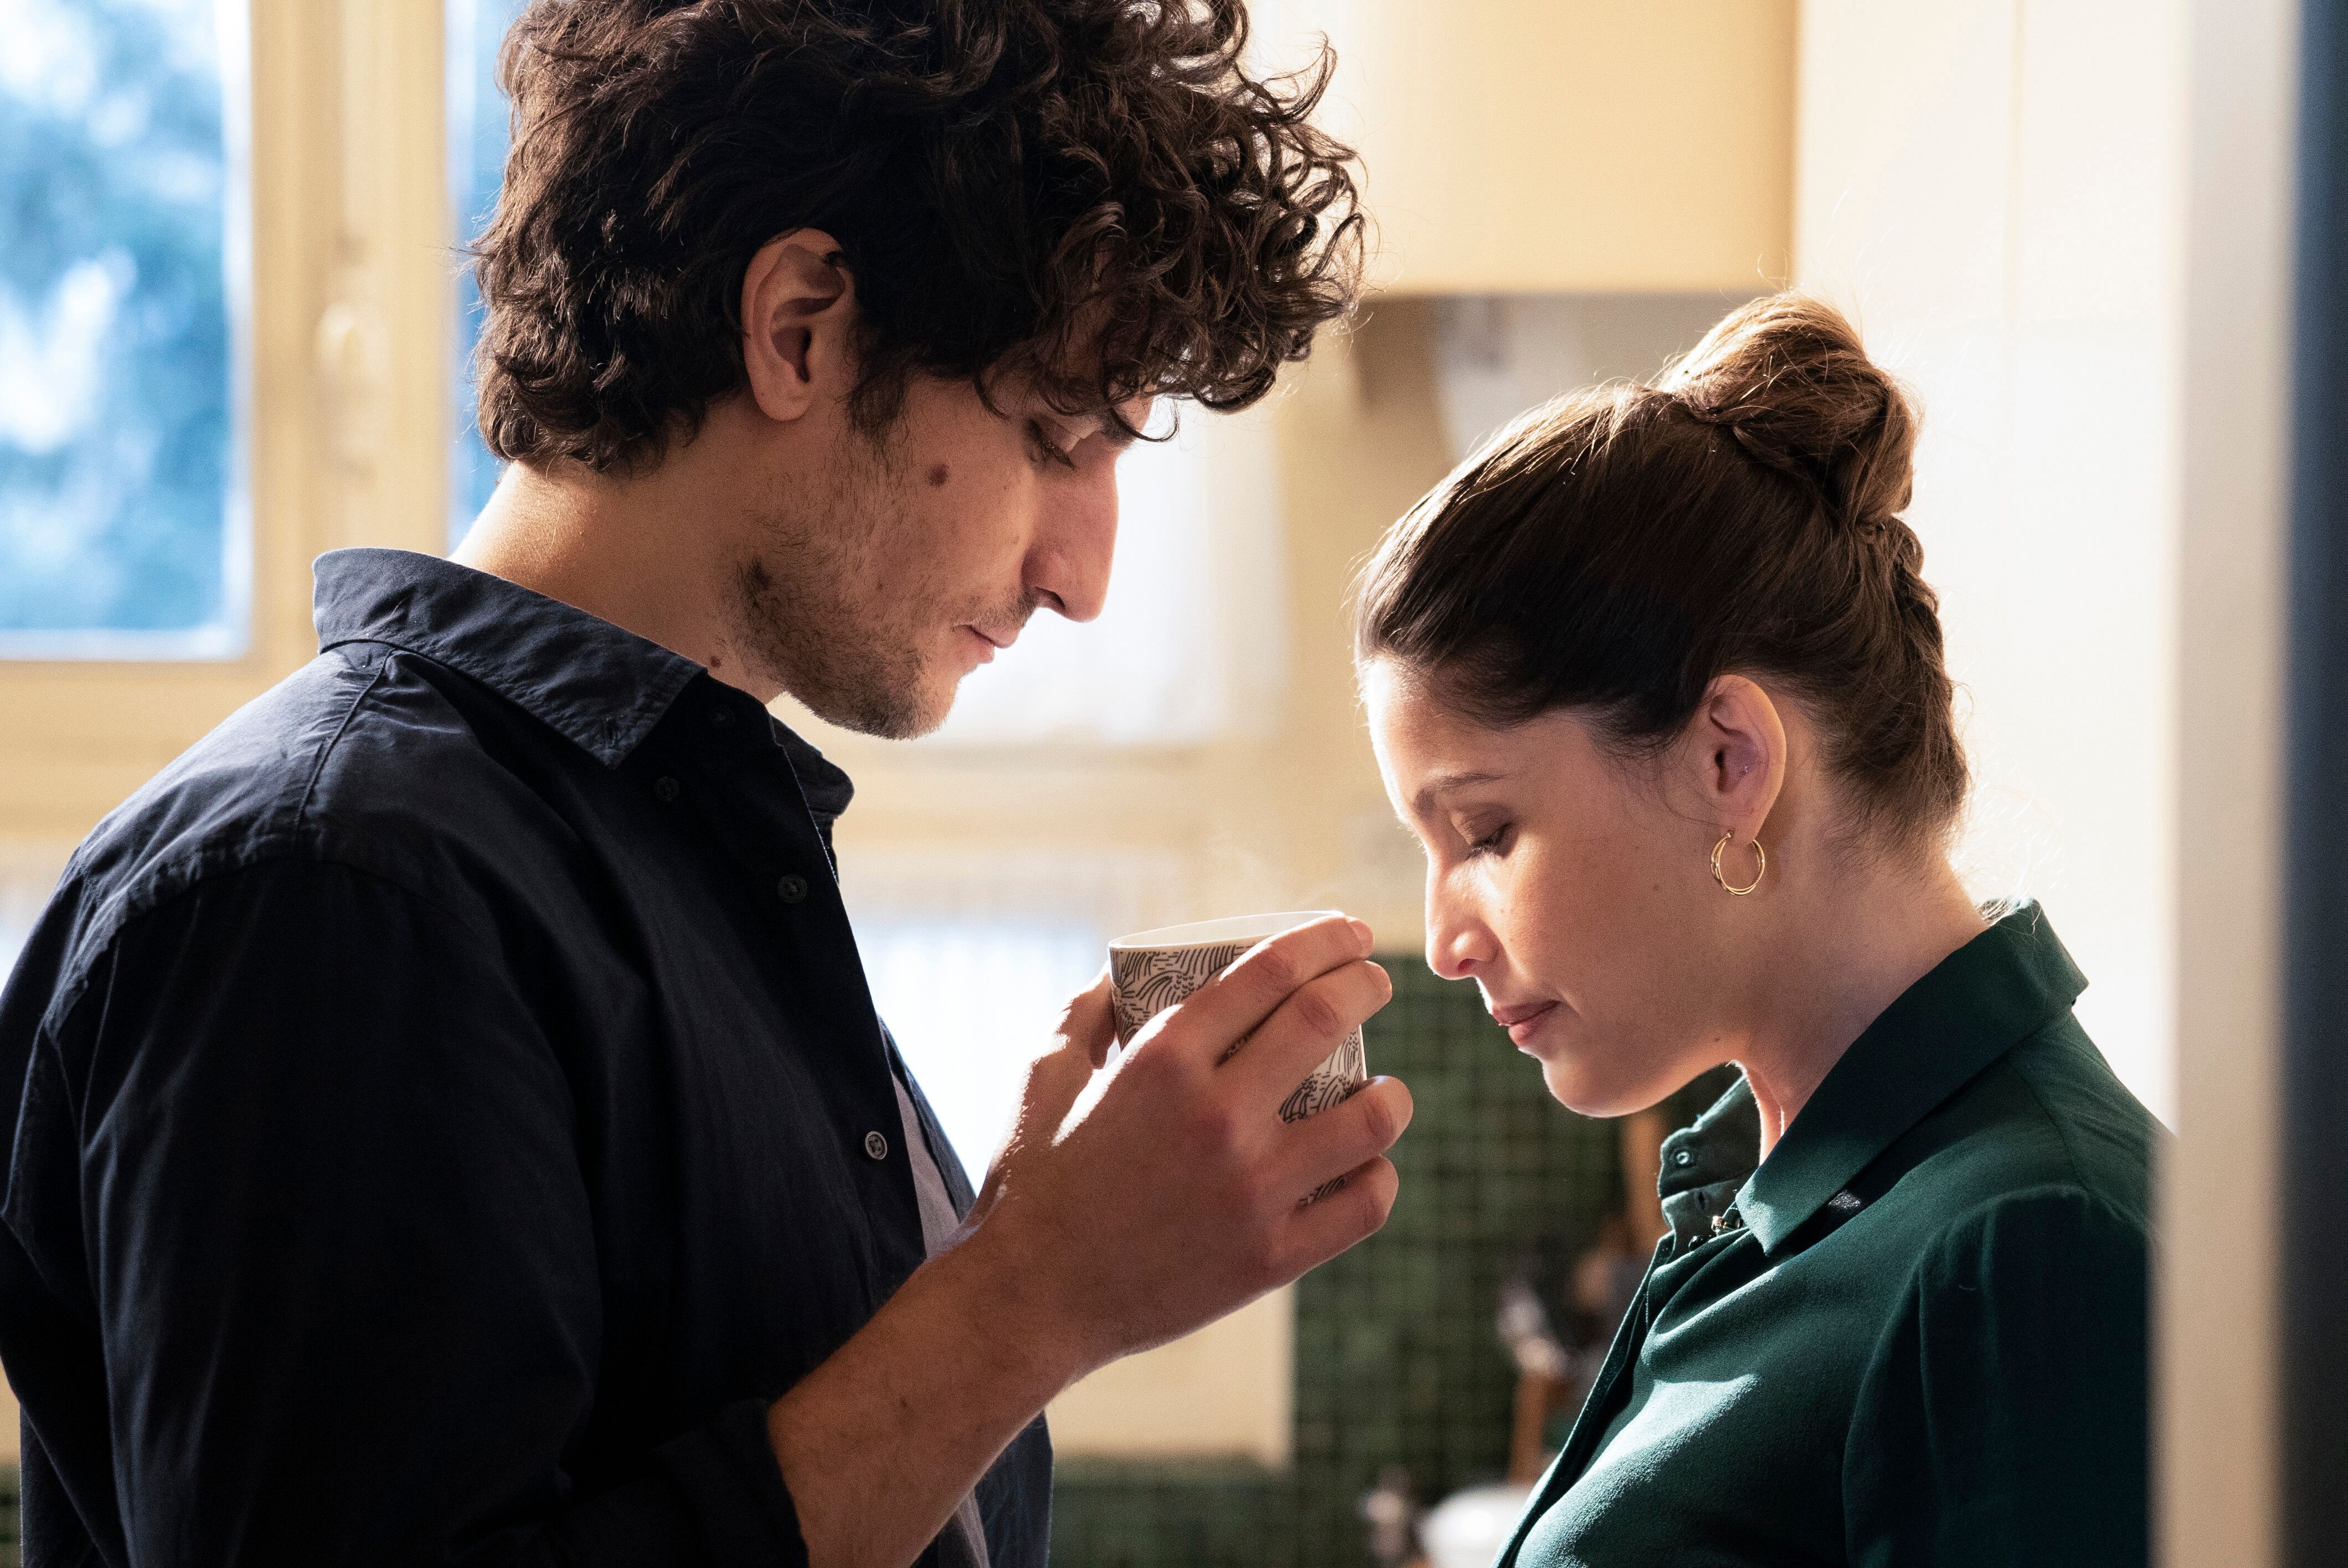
1444,783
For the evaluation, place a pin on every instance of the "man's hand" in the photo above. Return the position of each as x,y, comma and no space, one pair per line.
1135,1202
1142,1200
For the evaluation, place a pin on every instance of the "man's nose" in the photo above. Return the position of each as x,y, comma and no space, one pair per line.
1068,569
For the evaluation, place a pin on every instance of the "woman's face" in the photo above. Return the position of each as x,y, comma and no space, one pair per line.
1566,887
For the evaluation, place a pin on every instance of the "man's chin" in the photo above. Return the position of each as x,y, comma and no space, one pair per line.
897,715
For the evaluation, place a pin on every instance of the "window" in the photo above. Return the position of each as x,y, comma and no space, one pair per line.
123,266
478,135
214,364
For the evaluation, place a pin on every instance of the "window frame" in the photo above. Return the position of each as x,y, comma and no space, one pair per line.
345,359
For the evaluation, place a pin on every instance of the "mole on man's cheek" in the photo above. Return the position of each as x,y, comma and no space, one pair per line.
940,474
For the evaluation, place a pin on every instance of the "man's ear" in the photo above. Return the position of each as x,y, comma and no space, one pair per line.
798,310
1738,746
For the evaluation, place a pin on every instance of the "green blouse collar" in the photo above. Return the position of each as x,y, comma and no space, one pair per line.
1978,1003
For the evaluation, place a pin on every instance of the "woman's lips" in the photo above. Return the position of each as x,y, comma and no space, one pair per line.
1523,1023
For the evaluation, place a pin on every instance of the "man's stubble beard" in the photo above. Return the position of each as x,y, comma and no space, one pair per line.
808,611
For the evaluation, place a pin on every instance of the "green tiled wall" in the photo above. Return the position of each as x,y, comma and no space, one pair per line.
1396,1359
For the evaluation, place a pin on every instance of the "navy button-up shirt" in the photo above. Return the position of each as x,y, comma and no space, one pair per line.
448,1111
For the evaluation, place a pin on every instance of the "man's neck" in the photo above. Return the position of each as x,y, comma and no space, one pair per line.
646,554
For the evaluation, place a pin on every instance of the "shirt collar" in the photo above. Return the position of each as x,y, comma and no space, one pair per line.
822,782
601,685
1704,1166
1978,1003
597,683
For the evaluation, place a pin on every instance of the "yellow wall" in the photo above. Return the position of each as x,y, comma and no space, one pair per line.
1571,145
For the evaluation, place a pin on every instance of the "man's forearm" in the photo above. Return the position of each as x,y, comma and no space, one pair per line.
880,1442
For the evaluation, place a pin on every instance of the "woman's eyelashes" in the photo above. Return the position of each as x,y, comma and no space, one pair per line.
1484,839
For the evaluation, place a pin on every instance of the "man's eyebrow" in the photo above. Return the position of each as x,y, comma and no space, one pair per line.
1444,783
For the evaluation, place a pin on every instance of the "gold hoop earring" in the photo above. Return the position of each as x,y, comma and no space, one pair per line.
1760,866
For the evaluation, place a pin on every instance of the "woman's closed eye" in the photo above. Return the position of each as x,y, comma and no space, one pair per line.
1489,839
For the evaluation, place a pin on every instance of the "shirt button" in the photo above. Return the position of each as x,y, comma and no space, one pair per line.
790,889
876,1146
667,788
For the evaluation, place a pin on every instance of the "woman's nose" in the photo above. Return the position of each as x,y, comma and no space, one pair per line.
1458,944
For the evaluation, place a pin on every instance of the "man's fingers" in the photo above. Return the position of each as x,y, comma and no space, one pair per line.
1090,1019
1319,1230
1302,1031
1229,1007
1341,1138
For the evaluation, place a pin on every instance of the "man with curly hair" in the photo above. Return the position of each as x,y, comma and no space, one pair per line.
451,1124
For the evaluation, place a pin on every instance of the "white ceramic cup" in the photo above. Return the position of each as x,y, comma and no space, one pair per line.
1150,971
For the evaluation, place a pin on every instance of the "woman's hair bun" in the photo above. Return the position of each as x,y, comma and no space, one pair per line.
1615,552
1787,377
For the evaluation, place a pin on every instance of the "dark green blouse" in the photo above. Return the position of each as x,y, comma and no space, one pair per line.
1916,1334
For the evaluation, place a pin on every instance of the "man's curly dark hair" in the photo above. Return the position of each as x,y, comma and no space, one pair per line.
1094,193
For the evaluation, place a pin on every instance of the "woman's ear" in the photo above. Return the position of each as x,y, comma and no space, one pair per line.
1739,750
799,307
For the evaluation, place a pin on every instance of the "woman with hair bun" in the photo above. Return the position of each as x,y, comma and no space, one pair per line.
1655,679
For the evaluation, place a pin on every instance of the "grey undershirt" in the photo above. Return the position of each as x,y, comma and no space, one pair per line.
963,1540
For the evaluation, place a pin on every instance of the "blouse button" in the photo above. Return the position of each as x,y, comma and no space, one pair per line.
667,788
791,889
876,1146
